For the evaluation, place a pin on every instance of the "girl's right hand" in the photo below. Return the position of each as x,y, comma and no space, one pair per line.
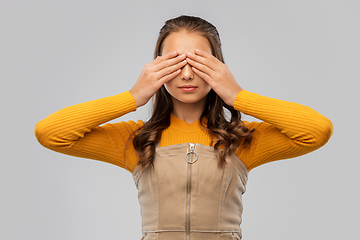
155,74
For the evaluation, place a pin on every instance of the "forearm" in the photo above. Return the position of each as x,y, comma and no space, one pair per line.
303,125
65,126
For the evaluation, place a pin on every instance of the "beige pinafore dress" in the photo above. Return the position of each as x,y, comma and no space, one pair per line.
187,196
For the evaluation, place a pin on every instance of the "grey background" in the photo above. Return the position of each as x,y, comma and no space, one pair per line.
58,53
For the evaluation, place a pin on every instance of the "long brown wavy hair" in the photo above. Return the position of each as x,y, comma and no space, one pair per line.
226,133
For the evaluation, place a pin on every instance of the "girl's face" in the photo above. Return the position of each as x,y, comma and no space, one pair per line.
187,87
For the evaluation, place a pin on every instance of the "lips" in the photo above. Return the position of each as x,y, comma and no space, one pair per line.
188,88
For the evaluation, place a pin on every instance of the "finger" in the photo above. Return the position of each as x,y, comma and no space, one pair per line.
203,60
168,70
169,77
207,55
200,66
168,63
165,57
203,75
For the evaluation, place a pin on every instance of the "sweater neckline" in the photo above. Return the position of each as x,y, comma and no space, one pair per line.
183,126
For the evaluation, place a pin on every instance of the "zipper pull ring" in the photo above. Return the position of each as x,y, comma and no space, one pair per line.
192,151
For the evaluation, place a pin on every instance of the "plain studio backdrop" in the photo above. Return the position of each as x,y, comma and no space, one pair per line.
55,54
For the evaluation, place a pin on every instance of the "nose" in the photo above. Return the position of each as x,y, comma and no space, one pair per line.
187,73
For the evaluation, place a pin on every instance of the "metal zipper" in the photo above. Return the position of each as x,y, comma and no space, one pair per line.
187,224
192,147
190,153
235,236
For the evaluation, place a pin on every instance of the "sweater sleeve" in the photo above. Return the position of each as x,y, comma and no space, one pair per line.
288,129
76,130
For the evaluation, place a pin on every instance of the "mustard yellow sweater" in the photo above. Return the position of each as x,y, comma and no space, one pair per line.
287,130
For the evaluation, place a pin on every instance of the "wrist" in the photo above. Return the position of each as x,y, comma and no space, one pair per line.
135,96
235,95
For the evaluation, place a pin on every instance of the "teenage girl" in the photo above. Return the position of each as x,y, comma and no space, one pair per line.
189,161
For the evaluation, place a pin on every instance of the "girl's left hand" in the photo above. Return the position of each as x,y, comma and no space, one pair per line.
216,74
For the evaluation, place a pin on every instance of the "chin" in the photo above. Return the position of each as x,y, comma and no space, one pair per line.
188,100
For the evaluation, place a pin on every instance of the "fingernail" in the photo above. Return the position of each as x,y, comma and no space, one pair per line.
174,53
189,54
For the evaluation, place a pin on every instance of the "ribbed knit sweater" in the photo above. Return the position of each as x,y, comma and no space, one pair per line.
286,130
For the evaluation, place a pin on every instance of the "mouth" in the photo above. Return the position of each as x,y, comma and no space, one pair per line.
188,88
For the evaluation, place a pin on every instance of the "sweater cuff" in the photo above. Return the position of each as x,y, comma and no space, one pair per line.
241,100
128,101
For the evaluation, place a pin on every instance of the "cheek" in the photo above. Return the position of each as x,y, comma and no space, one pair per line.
205,86
208,89
168,86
